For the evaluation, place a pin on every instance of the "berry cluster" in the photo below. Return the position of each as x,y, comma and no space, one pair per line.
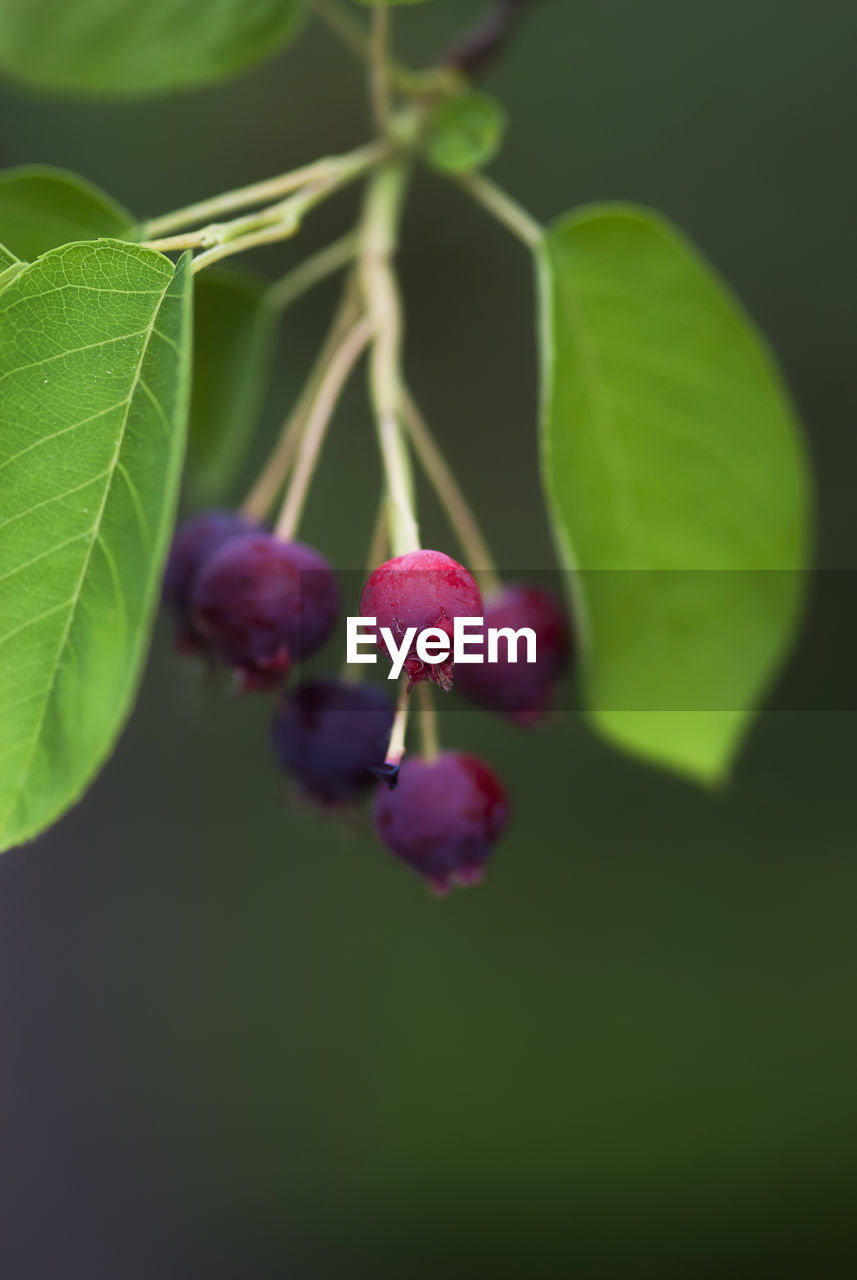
243,597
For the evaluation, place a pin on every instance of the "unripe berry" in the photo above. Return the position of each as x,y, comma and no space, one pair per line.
421,589
331,736
444,817
521,690
262,605
196,538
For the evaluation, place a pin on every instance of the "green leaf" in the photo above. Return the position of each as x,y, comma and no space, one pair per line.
376,4
677,484
94,383
127,48
233,349
465,132
42,208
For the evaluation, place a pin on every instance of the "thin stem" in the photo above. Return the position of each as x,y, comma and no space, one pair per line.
429,734
378,74
175,244
318,421
398,736
312,271
353,34
266,235
379,238
405,534
380,539
506,210
448,490
276,469
279,222
261,497
344,25
261,192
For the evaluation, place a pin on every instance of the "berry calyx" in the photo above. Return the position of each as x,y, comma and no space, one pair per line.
195,540
444,818
262,605
521,690
423,589
332,737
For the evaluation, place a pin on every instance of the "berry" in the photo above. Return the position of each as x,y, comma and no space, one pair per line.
444,818
195,540
521,690
262,605
331,736
421,589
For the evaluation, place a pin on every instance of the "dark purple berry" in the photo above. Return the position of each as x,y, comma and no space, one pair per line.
195,540
444,817
332,736
421,589
520,690
262,605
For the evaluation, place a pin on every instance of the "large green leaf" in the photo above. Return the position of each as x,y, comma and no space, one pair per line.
94,378
233,349
677,484
131,47
42,208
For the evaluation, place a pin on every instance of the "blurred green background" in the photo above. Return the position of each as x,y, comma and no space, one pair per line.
239,1041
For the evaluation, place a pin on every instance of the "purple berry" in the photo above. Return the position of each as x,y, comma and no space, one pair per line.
422,589
262,605
521,690
331,736
444,817
195,540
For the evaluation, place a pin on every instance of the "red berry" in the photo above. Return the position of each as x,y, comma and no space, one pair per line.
444,817
421,589
195,540
331,736
263,604
521,690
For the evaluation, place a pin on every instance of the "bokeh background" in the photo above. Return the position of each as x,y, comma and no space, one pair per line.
239,1042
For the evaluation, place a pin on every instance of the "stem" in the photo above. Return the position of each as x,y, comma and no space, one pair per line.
260,499
279,222
283,230
312,271
434,80
428,723
448,490
506,210
271,189
378,243
344,25
318,421
273,475
399,733
378,75
380,539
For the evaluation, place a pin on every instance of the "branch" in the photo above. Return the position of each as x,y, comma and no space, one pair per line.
475,49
